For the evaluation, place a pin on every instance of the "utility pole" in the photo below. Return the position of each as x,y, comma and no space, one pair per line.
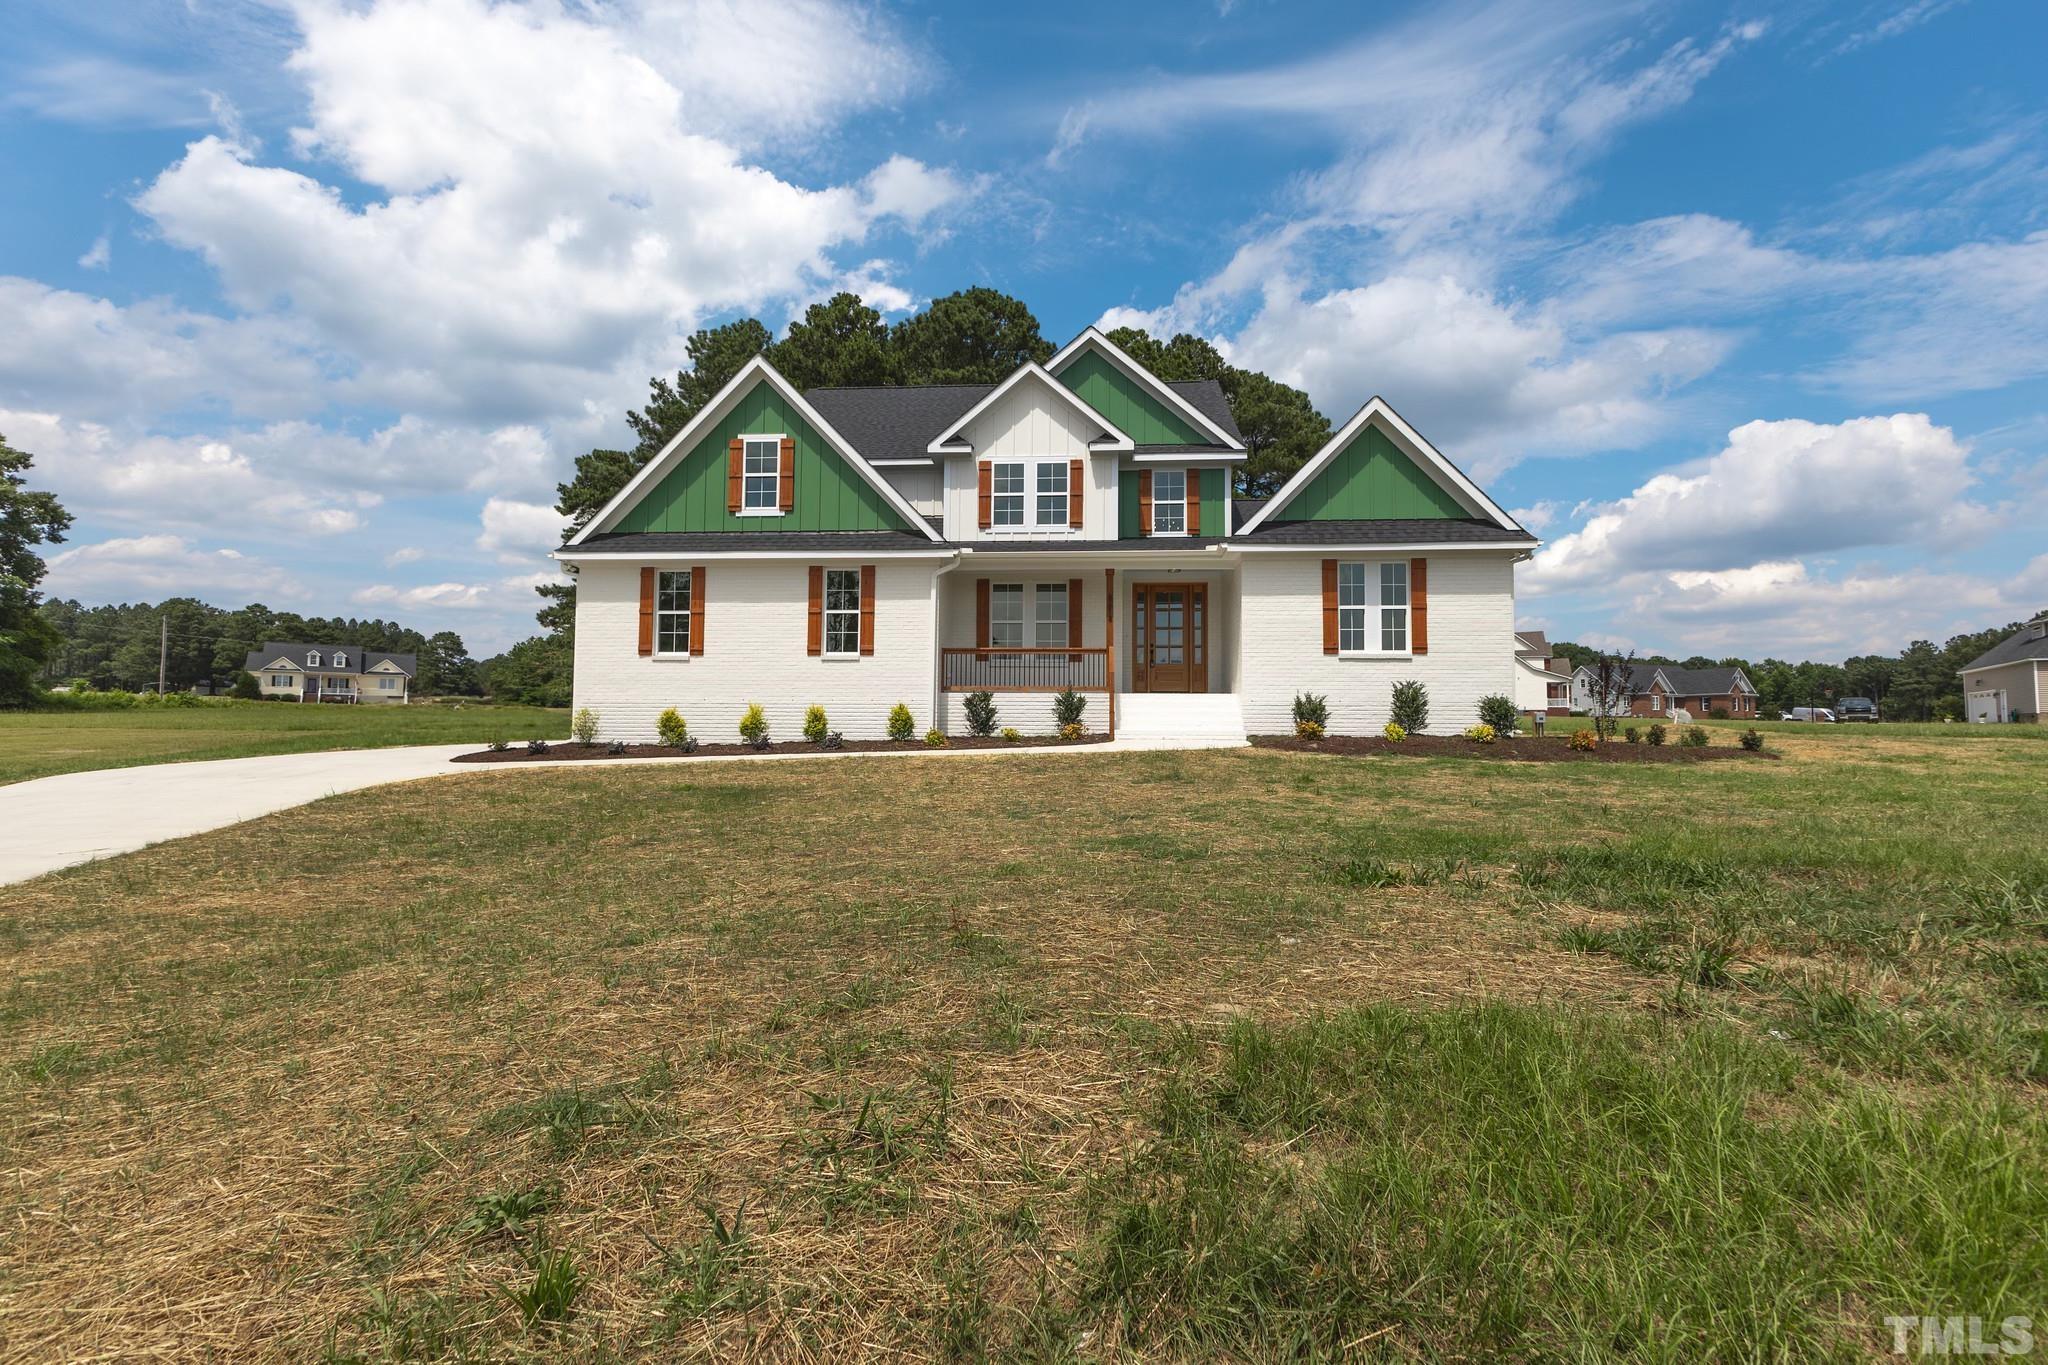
163,650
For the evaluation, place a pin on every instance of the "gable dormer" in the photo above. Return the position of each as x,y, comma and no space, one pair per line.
1030,460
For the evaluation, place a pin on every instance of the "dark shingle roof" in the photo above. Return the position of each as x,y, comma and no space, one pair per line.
359,660
899,422
1705,682
1382,531
2021,645
765,542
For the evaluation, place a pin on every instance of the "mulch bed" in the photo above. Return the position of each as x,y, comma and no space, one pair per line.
571,752
1526,749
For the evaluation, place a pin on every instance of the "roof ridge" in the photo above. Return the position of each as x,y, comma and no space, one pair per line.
884,388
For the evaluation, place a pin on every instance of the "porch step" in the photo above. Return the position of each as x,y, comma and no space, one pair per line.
1180,717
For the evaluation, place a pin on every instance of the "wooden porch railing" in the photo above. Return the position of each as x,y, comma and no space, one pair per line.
1023,670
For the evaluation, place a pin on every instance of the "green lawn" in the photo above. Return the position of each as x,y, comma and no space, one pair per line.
39,743
1241,1054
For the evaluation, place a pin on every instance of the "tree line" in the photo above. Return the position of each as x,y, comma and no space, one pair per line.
1921,682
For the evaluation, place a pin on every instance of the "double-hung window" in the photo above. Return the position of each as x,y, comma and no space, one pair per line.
762,471
1052,493
1169,502
280,680
672,612
1006,615
387,684
1050,615
1372,607
1006,490
842,613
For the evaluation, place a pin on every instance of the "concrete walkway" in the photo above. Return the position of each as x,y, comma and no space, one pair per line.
54,822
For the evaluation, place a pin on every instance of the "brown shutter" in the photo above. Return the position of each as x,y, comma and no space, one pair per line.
1074,614
1194,502
788,480
647,611
814,638
981,611
1144,502
1074,494
697,609
735,465
1418,606
1329,606
867,608
985,476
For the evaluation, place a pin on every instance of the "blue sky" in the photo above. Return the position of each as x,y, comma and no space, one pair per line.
1744,309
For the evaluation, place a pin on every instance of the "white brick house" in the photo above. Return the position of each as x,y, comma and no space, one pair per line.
1072,526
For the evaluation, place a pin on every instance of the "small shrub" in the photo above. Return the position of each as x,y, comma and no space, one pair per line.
1695,737
616,747
1583,740
1752,741
832,740
815,726
536,746
672,728
246,687
1632,734
902,725
1499,712
981,713
754,725
1411,706
1311,715
1481,734
1073,731
583,729
1068,707
935,738
1011,734
499,744
1657,733
1394,732
689,744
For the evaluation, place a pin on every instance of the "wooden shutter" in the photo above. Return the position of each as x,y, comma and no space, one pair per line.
1329,606
1194,502
867,608
735,474
788,479
981,611
985,476
1074,493
647,611
1074,615
814,638
1144,502
697,609
1418,606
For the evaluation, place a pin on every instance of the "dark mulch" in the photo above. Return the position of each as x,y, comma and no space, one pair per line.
1525,749
584,753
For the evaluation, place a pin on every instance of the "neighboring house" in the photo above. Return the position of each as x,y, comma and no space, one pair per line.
336,673
1659,689
2009,681
1543,682
1071,526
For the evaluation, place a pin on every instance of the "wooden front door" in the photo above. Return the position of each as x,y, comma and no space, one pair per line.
1170,637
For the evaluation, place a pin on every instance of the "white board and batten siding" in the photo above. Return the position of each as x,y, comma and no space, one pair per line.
755,649
1028,423
1471,629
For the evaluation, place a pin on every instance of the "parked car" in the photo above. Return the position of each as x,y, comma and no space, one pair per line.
1856,708
1820,714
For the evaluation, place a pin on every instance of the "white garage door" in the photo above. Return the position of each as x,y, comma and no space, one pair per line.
1986,708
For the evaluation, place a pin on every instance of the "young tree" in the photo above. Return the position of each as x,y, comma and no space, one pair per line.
1611,683
27,519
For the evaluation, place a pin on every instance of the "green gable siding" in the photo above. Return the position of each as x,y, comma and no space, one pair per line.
830,495
1121,399
1214,484
1369,480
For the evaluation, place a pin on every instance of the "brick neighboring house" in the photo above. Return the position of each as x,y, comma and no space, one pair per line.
1543,682
1658,690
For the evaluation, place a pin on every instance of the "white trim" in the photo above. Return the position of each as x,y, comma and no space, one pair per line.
700,556
922,461
1356,549
1158,502
1095,340
1192,459
826,612
773,507
1413,446
951,442
716,411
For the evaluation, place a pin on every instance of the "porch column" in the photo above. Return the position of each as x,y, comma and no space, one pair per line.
1109,642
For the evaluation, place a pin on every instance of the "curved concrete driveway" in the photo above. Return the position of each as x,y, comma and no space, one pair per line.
54,822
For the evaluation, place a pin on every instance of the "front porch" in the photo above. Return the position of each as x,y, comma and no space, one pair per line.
1025,626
